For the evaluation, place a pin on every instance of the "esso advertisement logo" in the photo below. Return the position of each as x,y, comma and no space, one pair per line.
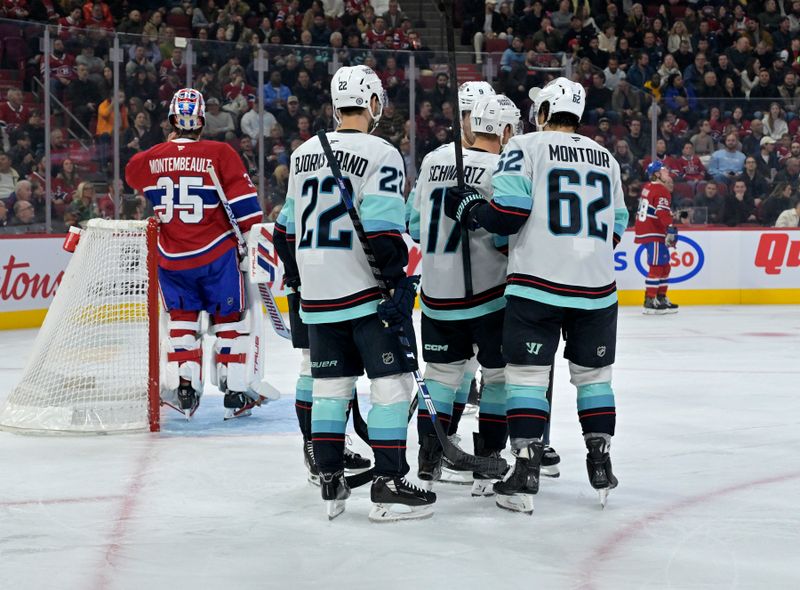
686,260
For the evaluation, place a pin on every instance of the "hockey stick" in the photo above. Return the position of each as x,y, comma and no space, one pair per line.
446,6
549,395
460,461
275,317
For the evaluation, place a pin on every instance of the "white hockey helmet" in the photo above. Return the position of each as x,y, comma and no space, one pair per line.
354,86
562,96
469,92
187,111
492,114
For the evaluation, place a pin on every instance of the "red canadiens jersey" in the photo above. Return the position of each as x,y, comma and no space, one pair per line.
12,117
688,168
655,213
63,67
377,40
194,227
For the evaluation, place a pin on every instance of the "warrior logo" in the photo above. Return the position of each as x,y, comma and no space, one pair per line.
533,347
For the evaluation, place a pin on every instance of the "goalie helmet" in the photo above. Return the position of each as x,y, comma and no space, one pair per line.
492,114
469,92
562,96
354,86
187,111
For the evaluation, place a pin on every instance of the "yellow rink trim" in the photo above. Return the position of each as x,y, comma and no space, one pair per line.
33,318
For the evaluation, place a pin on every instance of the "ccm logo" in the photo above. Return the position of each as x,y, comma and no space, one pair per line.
686,260
776,250
436,347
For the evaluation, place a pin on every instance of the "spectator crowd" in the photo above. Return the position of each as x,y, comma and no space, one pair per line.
712,85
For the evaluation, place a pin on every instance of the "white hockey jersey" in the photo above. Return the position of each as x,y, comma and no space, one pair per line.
442,295
569,188
336,281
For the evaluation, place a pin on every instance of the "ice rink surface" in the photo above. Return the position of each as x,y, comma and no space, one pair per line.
707,453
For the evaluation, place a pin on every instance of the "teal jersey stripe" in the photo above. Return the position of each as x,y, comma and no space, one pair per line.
620,220
478,311
442,396
376,433
493,399
382,208
304,388
328,409
561,300
595,395
286,216
413,219
337,426
379,225
500,241
388,421
526,396
331,317
466,381
512,190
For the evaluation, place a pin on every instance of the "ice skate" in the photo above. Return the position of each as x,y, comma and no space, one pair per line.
516,490
473,400
395,498
335,492
310,462
353,462
653,306
668,306
186,400
429,461
550,461
482,484
239,405
461,478
598,465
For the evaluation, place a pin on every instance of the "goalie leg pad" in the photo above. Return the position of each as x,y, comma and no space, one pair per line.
232,348
184,351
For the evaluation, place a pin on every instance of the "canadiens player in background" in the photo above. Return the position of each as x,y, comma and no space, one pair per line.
350,328
560,277
198,262
655,230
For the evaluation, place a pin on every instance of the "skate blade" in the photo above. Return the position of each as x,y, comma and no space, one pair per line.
654,312
242,412
470,409
462,478
313,479
666,311
515,503
357,471
482,488
397,512
334,508
603,493
550,471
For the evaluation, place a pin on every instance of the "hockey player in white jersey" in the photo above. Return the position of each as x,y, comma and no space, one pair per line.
339,299
559,196
451,322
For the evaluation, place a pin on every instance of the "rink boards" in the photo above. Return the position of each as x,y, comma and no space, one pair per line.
709,267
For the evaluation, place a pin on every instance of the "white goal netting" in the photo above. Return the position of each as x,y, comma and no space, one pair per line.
91,367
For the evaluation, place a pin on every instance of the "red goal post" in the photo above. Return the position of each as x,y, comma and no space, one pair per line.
94,367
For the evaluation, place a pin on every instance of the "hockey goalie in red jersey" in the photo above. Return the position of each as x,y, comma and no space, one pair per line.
655,230
199,265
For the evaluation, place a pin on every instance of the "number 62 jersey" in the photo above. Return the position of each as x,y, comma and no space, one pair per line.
195,229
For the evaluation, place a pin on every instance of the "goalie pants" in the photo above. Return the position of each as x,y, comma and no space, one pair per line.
341,352
530,340
447,345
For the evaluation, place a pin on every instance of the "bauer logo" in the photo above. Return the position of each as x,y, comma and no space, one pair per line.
686,260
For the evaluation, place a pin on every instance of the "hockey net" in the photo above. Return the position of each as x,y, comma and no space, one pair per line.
94,365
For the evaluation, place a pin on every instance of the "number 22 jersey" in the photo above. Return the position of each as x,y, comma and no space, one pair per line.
336,281
195,229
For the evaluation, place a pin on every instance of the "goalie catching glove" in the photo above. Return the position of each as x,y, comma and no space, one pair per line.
397,310
672,236
459,203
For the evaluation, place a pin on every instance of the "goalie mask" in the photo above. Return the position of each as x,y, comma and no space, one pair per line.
492,114
561,96
187,111
354,86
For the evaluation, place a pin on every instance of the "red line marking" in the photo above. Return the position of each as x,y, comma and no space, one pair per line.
130,502
607,547
57,501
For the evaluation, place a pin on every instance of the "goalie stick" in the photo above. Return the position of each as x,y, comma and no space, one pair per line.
446,7
460,461
275,317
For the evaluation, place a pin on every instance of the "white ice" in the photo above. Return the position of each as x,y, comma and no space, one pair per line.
707,453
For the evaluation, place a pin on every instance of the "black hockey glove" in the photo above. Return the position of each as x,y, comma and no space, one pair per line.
459,203
397,310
